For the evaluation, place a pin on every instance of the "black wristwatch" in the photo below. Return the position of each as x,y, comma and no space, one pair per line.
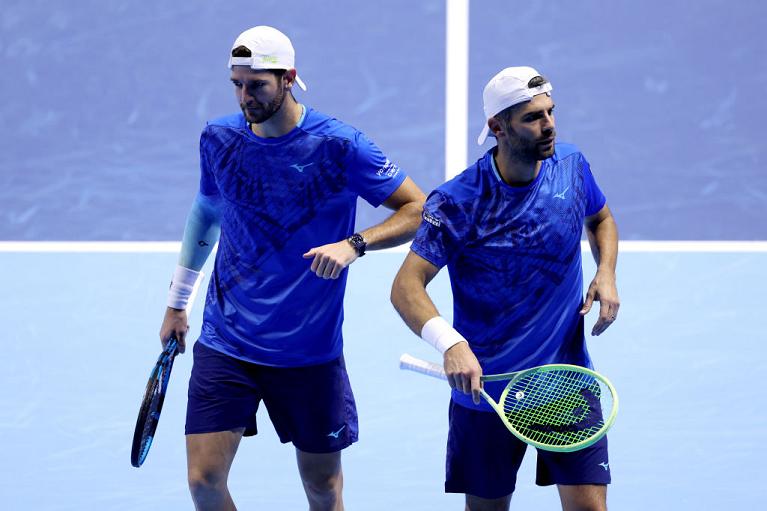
358,243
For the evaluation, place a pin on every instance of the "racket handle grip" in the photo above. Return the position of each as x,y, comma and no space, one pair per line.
410,363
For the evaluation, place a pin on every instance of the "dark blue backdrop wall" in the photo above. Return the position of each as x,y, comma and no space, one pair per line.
103,102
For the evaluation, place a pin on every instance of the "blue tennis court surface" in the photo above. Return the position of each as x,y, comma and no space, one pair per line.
79,338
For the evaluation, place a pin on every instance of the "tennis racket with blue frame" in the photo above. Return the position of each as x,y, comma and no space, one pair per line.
151,405
555,407
154,395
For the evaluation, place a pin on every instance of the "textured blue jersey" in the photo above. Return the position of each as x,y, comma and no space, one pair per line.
278,198
514,258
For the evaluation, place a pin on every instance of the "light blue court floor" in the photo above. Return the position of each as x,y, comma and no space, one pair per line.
80,334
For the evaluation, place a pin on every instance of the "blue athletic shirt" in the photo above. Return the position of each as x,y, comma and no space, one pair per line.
514,259
278,198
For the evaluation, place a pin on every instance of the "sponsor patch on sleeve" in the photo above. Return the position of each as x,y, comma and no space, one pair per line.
433,220
389,170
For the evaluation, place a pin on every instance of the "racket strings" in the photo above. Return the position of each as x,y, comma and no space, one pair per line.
559,407
159,386
151,404
152,416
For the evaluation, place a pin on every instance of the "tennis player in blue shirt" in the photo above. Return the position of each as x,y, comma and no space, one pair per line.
509,228
278,190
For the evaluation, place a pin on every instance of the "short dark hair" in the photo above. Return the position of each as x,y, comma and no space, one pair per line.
506,114
244,51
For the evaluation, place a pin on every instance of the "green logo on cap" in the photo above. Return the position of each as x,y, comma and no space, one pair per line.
269,59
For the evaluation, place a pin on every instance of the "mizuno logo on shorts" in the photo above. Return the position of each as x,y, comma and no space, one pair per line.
335,434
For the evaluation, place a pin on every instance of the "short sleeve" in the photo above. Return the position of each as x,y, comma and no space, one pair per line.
442,232
208,186
371,175
595,199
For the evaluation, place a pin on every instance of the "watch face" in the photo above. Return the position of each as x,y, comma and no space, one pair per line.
358,242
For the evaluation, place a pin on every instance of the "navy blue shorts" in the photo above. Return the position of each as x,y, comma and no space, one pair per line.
312,407
483,458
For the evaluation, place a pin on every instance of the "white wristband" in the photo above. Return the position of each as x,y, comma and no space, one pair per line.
440,334
181,287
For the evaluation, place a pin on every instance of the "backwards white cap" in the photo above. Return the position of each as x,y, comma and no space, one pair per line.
269,49
508,88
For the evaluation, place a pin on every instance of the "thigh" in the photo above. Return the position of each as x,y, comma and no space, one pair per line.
318,466
313,407
585,496
474,503
589,466
223,394
482,456
209,455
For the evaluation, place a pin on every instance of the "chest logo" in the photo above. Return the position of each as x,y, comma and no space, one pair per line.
301,168
561,195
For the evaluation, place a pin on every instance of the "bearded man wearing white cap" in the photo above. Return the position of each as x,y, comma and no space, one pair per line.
509,230
278,191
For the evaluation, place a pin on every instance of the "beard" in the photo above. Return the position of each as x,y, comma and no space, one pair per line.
262,112
530,150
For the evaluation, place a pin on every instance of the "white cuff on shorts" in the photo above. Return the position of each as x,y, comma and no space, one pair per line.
440,334
181,287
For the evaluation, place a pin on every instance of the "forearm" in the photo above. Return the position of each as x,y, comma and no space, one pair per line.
399,228
200,233
409,297
603,240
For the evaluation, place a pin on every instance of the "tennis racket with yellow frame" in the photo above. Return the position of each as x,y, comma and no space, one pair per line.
555,407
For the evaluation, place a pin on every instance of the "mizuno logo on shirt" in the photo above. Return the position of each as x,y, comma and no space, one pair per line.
335,434
561,195
301,168
605,465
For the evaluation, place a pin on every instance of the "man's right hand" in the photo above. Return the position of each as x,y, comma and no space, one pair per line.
463,370
174,324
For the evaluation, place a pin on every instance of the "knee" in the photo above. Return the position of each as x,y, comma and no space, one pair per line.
324,487
322,484
586,507
204,483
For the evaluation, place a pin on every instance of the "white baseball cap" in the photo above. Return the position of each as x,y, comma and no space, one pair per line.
269,49
508,88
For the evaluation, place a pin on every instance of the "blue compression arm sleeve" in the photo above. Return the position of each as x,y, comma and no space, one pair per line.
203,226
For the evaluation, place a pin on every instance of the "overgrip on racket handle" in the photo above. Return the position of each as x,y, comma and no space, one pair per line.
411,363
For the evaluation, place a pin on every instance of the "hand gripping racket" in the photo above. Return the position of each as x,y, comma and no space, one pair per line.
154,395
555,407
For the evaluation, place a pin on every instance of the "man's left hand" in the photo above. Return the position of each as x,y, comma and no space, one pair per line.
330,260
603,290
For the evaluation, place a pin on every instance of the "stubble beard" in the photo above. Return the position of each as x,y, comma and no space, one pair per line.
528,150
265,113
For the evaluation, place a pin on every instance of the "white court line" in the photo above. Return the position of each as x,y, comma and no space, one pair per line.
91,246
456,86
689,246
173,247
